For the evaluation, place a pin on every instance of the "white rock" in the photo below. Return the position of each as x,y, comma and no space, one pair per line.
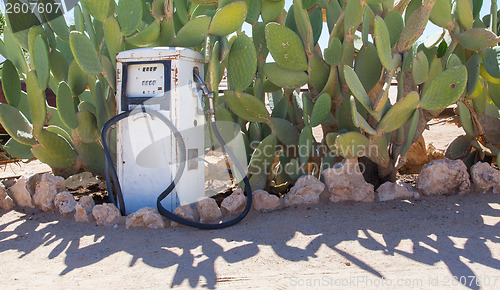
234,204
106,214
444,177
83,179
208,210
146,217
345,182
186,212
306,190
83,209
47,190
65,203
6,202
20,194
265,202
396,190
485,178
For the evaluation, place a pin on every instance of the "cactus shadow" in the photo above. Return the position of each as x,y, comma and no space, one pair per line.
456,231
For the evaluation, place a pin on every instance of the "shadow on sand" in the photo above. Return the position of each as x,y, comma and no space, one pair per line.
431,226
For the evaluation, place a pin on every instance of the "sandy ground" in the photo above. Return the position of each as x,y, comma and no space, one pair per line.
434,243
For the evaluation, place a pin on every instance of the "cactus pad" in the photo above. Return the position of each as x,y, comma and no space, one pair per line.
284,78
320,110
242,63
54,150
99,9
271,9
445,89
194,32
263,155
357,88
286,47
285,131
129,15
228,18
247,107
383,42
420,68
11,83
66,106
477,39
305,145
349,145
41,62
145,37
465,119
85,53
399,114
16,125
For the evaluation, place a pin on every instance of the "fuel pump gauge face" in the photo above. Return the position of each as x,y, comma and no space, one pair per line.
145,80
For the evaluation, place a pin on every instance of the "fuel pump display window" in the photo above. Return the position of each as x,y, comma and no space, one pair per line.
145,80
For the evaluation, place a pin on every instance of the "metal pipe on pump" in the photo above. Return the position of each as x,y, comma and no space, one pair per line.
159,95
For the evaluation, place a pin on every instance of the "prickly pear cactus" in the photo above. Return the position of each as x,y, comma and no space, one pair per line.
282,82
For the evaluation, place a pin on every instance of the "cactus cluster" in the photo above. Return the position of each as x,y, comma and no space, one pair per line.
370,44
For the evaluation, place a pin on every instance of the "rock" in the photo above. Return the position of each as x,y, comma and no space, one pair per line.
265,202
306,190
186,212
416,157
345,182
208,210
234,204
32,181
396,190
485,178
106,214
83,179
444,177
83,209
146,217
6,203
65,203
20,194
47,190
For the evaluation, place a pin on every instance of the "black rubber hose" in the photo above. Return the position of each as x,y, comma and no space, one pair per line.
112,177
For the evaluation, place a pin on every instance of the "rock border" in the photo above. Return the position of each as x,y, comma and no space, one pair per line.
343,182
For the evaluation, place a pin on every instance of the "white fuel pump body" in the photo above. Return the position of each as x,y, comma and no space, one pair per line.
161,79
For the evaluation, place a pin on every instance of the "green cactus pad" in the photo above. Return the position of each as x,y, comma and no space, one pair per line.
66,106
280,109
263,155
58,65
357,88
368,66
459,148
228,19
11,84
411,132
181,10
34,32
54,150
59,131
19,23
320,110
286,47
472,65
465,119
464,13
16,125
78,16
253,11
242,63
146,37
441,14
319,73
353,16
394,22
285,78
109,71
36,101
349,145
420,68
359,121
293,169
453,61
91,156
305,145
87,106
194,32
255,132
18,150
383,42
333,13
87,126
285,131
129,15
99,9
378,150
85,53
113,37
303,25
77,79
399,114
477,39
13,52
491,65
271,9
55,19
247,107
333,54
444,89
41,62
